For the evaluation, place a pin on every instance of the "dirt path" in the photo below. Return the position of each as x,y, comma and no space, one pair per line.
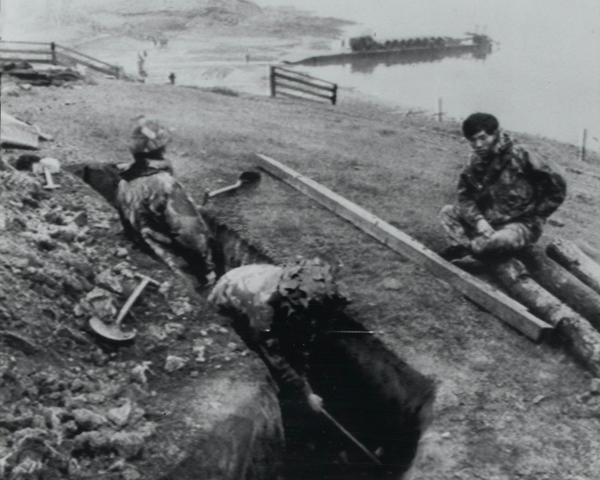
506,408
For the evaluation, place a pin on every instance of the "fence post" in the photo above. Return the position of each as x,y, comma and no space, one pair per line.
53,49
440,111
334,96
583,142
272,81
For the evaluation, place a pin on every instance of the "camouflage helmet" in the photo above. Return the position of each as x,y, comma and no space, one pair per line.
148,135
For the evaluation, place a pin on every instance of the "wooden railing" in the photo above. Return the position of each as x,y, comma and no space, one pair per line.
289,83
36,52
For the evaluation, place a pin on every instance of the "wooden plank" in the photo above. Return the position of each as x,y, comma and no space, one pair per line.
303,90
304,82
20,59
75,52
63,57
304,75
491,299
28,52
5,42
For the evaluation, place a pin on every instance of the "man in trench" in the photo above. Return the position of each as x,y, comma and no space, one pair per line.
283,309
505,196
156,210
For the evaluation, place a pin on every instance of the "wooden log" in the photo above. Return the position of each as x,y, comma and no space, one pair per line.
563,284
491,299
582,338
569,255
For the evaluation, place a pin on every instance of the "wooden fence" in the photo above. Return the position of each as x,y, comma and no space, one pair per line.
52,53
289,83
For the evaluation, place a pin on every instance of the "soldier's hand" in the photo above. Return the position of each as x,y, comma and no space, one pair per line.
484,228
315,402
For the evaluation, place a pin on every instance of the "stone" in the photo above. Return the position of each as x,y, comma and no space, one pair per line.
87,419
390,283
120,415
130,473
200,353
138,372
54,217
174,328
130,444
121,252
595,386
107,280
102,304
80,219
65,234
174,363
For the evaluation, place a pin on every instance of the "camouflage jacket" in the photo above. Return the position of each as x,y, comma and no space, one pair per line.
509,185
150,197
279,303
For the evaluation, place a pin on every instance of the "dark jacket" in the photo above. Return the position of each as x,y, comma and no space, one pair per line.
509,185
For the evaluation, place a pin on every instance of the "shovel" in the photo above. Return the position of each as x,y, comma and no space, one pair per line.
245,179
113,331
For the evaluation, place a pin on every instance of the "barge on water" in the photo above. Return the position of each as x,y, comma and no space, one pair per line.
366,52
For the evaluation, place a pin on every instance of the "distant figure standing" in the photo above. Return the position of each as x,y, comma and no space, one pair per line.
172,78
141,70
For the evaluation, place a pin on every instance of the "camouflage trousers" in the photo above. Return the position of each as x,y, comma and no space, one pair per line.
508,237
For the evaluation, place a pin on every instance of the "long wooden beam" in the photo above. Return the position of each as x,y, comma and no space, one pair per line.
491,299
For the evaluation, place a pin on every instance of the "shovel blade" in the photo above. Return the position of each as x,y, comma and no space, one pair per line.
111,331
249,177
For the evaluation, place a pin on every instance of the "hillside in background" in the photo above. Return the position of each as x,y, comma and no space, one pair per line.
75,20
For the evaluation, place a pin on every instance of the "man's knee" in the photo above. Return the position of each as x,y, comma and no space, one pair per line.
448,212
508,239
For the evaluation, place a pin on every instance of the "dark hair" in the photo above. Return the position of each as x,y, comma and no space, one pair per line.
477,122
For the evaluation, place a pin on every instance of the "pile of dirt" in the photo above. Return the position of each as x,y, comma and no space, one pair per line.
71,404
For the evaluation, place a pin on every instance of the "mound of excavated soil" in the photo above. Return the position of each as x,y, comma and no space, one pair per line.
75,406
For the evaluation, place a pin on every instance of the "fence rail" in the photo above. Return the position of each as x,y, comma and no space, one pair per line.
54,54
291,84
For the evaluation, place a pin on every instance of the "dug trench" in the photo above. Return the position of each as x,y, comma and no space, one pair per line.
384,403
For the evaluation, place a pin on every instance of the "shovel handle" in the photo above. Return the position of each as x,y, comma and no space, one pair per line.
131,300
351,437
225,189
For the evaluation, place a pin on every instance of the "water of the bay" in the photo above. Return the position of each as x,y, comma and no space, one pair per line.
543,76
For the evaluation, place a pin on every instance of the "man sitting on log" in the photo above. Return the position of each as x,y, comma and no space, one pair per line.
282,310
505,195
154,207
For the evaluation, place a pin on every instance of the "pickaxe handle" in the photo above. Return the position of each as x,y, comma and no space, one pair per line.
133,297
50,185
